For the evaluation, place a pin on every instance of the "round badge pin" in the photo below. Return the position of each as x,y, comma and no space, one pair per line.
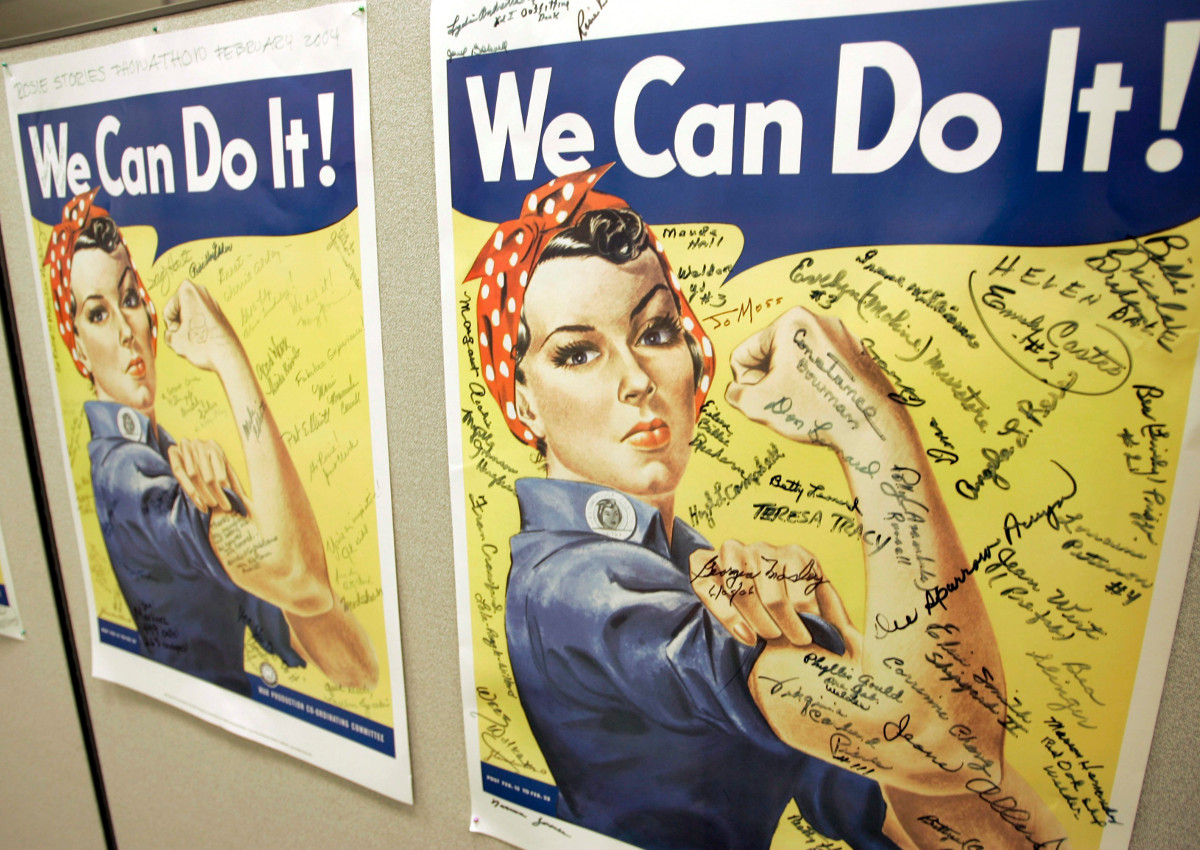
267,673
610,513
128,424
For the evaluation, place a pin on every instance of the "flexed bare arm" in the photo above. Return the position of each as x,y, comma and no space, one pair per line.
881,706
274,551
819,373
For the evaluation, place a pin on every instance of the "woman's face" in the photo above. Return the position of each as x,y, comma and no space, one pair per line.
112,328
609,382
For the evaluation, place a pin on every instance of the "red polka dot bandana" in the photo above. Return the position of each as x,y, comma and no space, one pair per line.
76,216
507,261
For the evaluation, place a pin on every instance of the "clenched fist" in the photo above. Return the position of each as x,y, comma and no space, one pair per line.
811,380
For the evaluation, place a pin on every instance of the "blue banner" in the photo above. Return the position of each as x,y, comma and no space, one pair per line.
264,157
120,637
3,595
1051,124
329,717
317,712
518,789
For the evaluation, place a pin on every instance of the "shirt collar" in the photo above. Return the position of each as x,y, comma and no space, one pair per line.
119,421
551,504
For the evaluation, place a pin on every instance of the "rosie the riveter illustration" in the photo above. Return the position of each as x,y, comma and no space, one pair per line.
682,695
195,558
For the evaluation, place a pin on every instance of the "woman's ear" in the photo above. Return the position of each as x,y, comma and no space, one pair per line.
527,410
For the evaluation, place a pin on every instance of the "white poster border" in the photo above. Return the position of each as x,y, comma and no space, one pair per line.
171,63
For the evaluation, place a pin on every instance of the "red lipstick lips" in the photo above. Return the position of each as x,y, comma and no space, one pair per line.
649,435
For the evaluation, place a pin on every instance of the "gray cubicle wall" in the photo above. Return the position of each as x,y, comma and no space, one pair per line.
47,798
174,781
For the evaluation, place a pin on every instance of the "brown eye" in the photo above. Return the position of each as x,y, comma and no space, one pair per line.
570,356
664,330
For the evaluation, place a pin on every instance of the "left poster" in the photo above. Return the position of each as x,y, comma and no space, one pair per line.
201,214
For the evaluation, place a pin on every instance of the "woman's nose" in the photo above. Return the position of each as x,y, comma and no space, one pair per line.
124,329
635,381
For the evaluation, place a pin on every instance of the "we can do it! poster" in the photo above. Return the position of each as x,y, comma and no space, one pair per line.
201,212
819,395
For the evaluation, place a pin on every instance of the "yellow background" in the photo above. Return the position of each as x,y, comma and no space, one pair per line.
1081,433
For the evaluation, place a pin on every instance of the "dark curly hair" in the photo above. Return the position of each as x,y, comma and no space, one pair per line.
618,236
100,233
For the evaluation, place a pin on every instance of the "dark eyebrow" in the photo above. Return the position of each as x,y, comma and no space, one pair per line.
641,305
569,329
82,305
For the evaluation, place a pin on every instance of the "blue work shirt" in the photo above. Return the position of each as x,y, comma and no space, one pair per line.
638,697
189,614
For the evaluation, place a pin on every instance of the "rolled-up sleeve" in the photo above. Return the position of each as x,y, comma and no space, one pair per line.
146,515
613,624
156,536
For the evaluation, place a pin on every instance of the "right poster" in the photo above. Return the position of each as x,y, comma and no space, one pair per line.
820,397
